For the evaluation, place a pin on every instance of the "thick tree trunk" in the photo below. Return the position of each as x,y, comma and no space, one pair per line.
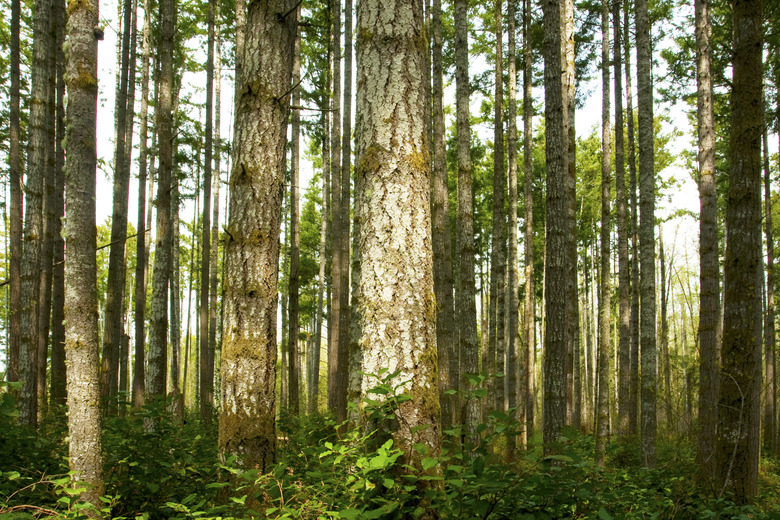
737,447
81,336
646,234
465,303
446,330
529,314
246,423
158,319
396,301
141,239
605,287
496,343
624,306
556,281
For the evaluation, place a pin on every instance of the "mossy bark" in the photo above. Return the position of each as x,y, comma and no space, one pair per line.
246,423
396,302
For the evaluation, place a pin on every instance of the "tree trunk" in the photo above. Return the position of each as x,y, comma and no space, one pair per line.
175,298
496,345
667,369
633,396
158,319
81,336
529,325
246,424
213,270
58,392
395,291
737,447
141,251
624,306
15,180
556,281
37,158
646,234
770,412
465,303
112,323
513,303
605,287
295,236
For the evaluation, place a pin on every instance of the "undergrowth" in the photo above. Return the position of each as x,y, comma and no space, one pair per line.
329,471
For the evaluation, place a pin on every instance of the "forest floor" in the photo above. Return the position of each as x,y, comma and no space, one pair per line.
173,470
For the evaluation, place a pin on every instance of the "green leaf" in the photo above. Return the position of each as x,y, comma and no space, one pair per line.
604,515
350,513
388,483
429,462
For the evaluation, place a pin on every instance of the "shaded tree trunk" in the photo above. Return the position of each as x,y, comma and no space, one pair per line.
213,270
246,424
295,236
737,447
770,404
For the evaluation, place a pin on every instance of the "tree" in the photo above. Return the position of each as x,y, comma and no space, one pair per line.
395,290
81,335
113,330
158,319
739,407
446,331
295,236
646,234
465,291
555,345
605,287
770,404
246,424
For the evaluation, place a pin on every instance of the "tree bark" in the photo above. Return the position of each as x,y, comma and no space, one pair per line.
646,234
605,287
496,343
529,314
624,306
465,303
158,319
82,344
213,270
139,313
246,424
295,236
555,308
737,447
396,301
770,403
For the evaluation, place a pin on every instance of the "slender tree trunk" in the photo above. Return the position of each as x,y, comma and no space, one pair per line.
206,377
394,204
737,446
112,328
556,281
141,250
213,270
605,287
513,304
175,299
624,306
496,344
770,404
665,269
646,234
446,331
82,344
633,405
246,423
295,236
15,179
465,303
529,325
58,392
337,391
158,326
